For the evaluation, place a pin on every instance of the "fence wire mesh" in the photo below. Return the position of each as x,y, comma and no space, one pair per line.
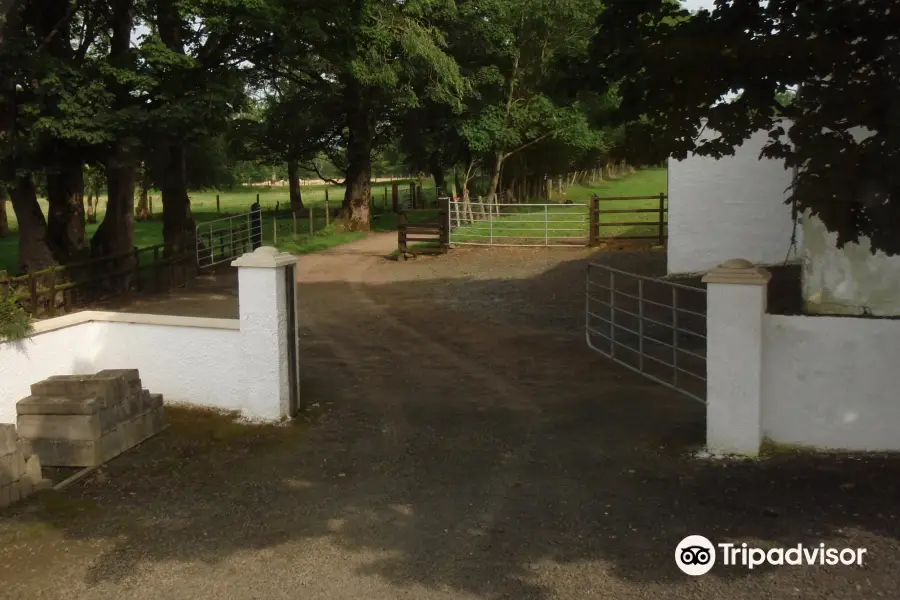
652,326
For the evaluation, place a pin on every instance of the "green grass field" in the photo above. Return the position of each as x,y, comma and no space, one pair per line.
203,206
519,221
568,224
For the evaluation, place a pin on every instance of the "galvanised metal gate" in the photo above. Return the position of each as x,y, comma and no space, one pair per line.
475,223
225,239
652,326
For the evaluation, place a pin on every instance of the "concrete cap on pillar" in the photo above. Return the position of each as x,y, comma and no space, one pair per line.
738,271
264,257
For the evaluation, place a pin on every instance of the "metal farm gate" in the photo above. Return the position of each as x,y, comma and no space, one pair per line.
475,223
225,239
652,326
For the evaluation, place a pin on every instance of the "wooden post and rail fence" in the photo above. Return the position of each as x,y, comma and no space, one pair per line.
654,229
59,289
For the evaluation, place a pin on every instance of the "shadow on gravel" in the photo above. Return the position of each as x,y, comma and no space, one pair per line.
449,449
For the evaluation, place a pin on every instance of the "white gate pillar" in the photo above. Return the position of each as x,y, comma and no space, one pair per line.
268,335
736,306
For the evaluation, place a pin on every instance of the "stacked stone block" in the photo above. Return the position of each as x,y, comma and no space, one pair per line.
86,420
20,475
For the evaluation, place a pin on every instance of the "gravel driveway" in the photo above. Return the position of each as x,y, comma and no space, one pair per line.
461,443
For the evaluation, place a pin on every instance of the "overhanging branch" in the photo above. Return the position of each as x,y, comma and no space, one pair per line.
315,168
540,138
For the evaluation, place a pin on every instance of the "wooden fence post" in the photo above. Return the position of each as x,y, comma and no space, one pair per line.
32,291
312,226
444,216
662,218
274,231
384,202
136,270
412,195
51,306
218,206
401,236
395,198
594,221
327,212
156,270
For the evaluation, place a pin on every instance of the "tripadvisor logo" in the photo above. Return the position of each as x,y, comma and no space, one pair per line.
696,555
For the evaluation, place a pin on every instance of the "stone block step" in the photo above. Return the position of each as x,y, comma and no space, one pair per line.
8,439
107,387
12,467
90,453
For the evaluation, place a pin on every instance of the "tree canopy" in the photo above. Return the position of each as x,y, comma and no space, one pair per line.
737,70
130,95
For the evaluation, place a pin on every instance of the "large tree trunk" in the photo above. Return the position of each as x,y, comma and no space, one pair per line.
437,172
143,207
495,180
4,222
178,222
65,223
294,186
34,251
115,235
355,209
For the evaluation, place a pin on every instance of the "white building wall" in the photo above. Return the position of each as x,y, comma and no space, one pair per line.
831,382
819,382
728,208
850,280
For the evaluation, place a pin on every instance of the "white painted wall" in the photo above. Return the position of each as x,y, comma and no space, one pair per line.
728,208
201,365
194,361
850,280
56,352
827,383
831,382
220,363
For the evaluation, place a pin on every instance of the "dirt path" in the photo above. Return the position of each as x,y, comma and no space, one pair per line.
464,444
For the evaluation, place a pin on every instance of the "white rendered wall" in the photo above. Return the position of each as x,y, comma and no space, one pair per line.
197,365
850,280
214,363
831,382
22,363
728,208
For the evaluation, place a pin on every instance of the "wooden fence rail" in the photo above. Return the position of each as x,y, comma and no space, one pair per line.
649,229
58,289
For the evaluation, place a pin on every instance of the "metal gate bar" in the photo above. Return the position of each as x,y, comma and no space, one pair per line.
673,307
